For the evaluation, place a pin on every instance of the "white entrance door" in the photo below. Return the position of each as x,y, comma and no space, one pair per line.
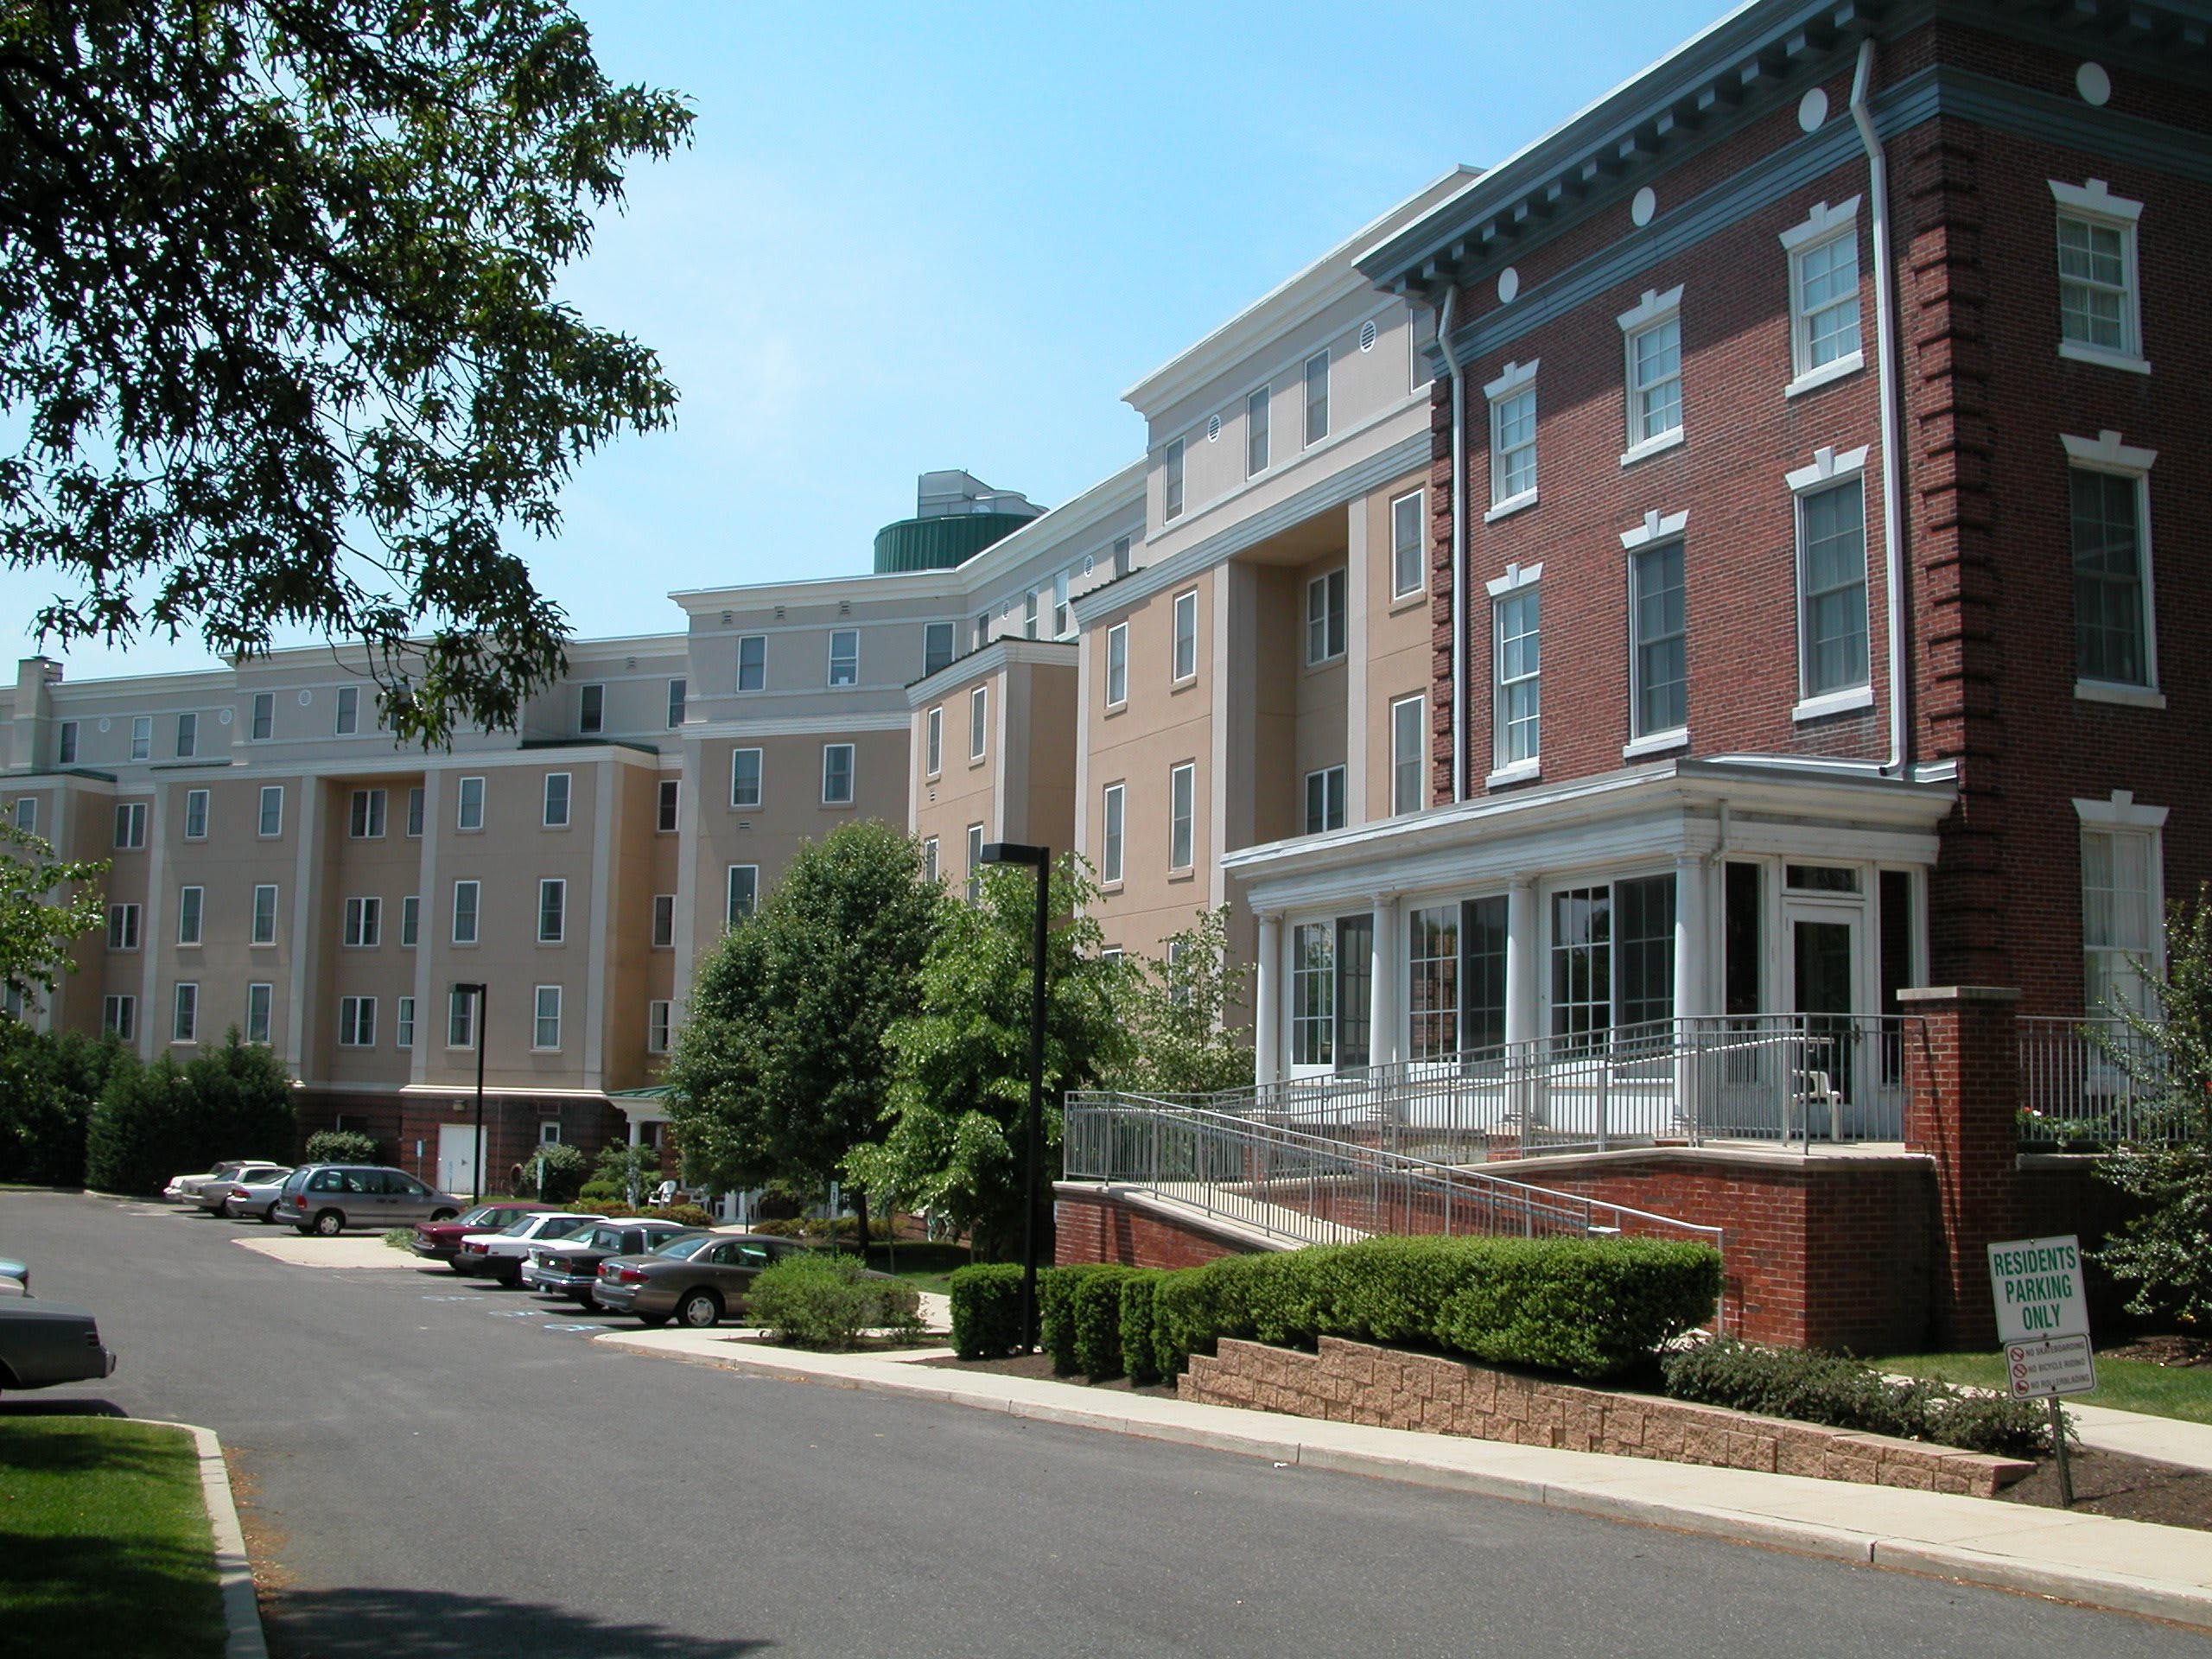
1826,958
457,1157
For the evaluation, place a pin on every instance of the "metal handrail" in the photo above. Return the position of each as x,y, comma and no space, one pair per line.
2091,1083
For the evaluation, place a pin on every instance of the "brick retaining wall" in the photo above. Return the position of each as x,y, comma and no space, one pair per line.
1385,1388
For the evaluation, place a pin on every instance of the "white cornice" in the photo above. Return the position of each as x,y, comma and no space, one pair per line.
826,726
994,658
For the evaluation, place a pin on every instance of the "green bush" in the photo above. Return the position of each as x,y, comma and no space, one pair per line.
688,1215
1812,1386
48,1085
554,1171
986,1308
1585,1306
344,1146
1140,1349
1056,1290
848,1228
826,1301
1094,1312
156,1122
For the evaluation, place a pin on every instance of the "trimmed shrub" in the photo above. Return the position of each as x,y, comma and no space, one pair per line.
343,1146
1140,1348
155,1122
555,1172
1094,1312
1056,1333
1812,1386
688,1215
986,1308
1585,1306
48,1085
848,1228
828,1301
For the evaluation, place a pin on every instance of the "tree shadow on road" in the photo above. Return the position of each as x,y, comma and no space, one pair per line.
15,1405
358,1623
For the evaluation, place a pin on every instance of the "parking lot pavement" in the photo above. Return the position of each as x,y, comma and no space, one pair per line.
348,1250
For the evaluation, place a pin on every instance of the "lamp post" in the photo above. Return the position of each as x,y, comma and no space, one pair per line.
1040,860
475,992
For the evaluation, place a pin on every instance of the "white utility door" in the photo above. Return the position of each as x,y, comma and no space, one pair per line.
457,1157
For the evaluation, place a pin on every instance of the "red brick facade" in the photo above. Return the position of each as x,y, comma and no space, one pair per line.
1988,577
1092,1226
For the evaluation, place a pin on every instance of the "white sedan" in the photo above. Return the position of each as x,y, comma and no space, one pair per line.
500,1255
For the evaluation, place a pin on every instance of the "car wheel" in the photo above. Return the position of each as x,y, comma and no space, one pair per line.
443,1215
456,1267
700,1309
330,1224
656,1321
223,1212
268,1215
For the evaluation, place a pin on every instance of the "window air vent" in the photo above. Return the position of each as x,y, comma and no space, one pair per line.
1367,335
1213,427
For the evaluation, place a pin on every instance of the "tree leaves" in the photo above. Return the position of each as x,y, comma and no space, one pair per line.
277,324
45,904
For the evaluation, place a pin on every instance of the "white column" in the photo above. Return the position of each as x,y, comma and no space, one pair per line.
1383,1045
1267,1022
1523,961
1693,966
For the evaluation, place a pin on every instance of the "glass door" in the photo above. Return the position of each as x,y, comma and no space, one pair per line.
1824,963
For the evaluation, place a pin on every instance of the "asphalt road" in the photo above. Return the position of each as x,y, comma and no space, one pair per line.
449,1470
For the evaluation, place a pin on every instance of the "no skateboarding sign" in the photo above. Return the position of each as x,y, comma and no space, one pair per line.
2039,1370
2044,1325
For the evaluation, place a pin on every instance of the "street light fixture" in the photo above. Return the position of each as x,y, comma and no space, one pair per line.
476,992
1040,860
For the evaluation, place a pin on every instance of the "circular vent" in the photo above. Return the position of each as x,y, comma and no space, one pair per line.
1367,335
307,699
1213,427
224,716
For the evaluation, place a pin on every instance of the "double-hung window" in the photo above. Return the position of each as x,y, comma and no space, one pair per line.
402,1023
466,899
1117,664
1832,622
933,742
141,737
1182,808
741,893
657,1025
191,906
836,774
65,743
591,709
364,820
1657,627
936,647
1317,397
2099,318
845,657
1516,632
1408,519
26,813
270,822
552,910
195,814
1512,439
678,694
1652,340
461,1019
263,721
356,1022
930,860
1060,622
119,1017
188,736
556,813
668,805
2115,655
1112,806
123,927
260,998
1029,615
546,1030
469,810
1171,480
975,862
1255,433
2122,889
364,922
1824,341
1324,800
664,934
411,920
1325,618
979,701
349,710
184,1014
744,776
752,662
1186,664
1408,753
129,825
264,914
415,810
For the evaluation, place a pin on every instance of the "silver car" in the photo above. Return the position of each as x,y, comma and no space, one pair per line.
224,1199
333,1198
45,1342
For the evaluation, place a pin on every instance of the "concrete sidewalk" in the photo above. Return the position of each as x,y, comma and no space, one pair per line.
2128,1565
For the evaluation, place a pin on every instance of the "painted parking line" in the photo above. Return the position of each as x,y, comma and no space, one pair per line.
574,1327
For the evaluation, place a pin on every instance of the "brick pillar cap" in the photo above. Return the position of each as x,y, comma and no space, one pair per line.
1959,993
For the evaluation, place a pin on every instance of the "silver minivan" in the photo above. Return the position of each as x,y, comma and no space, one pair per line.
329,1198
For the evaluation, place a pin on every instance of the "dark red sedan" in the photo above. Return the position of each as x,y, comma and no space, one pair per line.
438,1241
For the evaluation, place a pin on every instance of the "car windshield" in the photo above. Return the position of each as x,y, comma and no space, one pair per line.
481,1214
520,1228
683,1247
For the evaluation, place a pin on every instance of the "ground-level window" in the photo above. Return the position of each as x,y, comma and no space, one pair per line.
1612,956
1331,979
1455,978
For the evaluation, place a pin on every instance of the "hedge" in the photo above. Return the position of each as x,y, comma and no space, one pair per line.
1589,1307
828,1301
1812,1386
156,1122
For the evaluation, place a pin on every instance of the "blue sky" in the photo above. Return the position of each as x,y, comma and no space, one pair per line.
911,238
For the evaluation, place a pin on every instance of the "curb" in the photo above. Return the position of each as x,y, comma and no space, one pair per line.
2089,1587
242,1637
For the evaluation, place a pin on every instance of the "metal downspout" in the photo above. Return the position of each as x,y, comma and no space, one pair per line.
1459,550
1886,359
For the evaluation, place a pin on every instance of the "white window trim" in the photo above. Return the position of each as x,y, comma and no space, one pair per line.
2094,200
1182,768
1517,577
544,882
979,722
729,892
1175,676
475,913
568,801
1114,849
185,912
933,742
461,805
1674,737
1824,224
660,1021
1420,546
253,912
1420,700
1829,467
759,781
261,814
2105,453
1308,437
1513,380
739,684
854,634
1656,527
2121,815
852,774
206,812
176,1008
538,1017
1117,637
1321,582
1649,312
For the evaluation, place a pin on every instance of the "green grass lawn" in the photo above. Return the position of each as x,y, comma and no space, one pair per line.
2123,1385
925,1267
104,1546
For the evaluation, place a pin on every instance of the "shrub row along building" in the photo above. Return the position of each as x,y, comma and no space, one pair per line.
1708,567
